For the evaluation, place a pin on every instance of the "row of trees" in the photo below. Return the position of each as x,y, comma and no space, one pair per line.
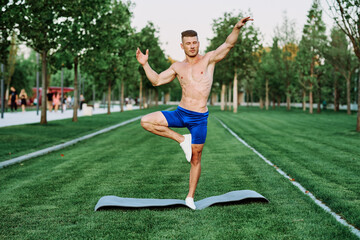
315,69
97,35
94,34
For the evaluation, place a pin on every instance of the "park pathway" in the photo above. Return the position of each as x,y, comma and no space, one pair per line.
28,117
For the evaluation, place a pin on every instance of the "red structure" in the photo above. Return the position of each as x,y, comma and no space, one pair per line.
52,89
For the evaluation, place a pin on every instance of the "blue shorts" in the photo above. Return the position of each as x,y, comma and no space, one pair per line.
196,122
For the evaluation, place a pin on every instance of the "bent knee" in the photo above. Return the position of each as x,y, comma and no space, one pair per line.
144,122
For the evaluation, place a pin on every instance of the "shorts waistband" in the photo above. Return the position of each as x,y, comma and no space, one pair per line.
192,112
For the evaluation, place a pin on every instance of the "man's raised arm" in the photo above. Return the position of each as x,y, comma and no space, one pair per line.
221,52
155,78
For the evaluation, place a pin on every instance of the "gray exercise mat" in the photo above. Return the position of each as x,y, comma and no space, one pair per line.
234,196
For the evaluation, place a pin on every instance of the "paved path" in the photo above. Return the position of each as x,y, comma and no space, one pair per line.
19,118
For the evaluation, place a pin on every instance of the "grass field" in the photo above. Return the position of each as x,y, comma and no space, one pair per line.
53,197
18,140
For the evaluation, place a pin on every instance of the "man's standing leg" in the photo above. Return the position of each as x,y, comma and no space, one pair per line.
195,172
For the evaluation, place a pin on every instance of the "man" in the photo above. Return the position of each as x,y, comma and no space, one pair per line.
195,75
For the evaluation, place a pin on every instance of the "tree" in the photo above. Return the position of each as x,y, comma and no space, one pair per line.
39,26
7,44
105,58
341,57
242,59
147,39
287,41
346,14
311,49
81,24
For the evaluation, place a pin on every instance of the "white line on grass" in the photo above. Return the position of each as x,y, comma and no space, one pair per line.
298,185
63,145
69,143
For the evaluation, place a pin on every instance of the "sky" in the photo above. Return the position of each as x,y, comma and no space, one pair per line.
172,17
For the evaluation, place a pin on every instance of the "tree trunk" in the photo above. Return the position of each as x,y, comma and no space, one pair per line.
335,96
150,97
167,97
348,94
278,100
44,87
318,110
223,89
76,95
213,99
240,98
304,100
358,114
109,97
261,103
251,98
288,97
141,103
145,101
122,96
273,103
156,97
312,65
229,97
311,98
267,94
247,98
235,93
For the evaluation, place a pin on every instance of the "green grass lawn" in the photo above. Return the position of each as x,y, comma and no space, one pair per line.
321,151
53,197
22,139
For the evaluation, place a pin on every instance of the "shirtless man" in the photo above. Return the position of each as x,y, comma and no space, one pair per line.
195,75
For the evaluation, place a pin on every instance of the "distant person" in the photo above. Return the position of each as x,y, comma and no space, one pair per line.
13,99
82,101
64,103
56,101
324,104
68,101
23,97
195,75
49,96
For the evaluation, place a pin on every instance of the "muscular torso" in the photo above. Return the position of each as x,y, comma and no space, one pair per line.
196,80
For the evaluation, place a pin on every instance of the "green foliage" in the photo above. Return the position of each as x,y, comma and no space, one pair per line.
243,58
107,60
148,38
346,15
25,73
311,50
339,54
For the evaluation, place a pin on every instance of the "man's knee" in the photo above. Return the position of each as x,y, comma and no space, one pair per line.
144,122
196,154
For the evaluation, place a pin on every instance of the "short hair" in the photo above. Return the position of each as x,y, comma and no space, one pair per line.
188,33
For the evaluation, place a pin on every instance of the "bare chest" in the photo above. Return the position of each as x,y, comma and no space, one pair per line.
194,74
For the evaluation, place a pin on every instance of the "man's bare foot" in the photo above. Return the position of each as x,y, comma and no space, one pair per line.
186,147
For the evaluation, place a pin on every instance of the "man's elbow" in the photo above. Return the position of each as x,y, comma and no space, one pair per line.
156,83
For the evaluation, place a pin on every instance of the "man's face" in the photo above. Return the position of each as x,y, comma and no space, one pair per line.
190,46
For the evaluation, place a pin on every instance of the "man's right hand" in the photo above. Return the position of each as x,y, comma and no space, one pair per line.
142,59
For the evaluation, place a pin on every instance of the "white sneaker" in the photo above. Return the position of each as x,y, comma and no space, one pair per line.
186,147
190,203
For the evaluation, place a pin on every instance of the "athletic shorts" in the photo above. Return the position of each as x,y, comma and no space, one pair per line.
196,122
